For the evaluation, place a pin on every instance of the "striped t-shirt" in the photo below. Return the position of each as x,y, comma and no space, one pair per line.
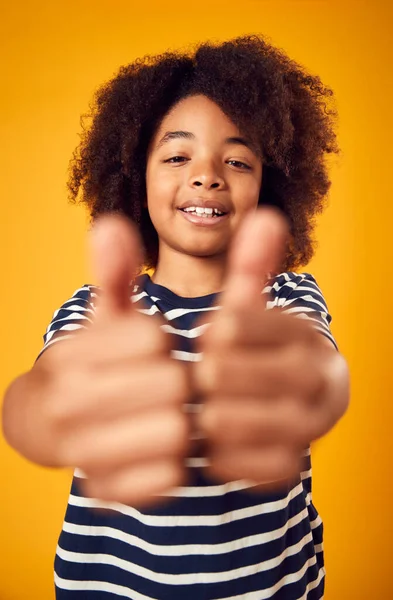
211,540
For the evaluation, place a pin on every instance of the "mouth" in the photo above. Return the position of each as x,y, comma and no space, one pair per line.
203,217
205,213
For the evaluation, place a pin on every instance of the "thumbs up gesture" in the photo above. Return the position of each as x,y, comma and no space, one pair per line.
265,375
114,398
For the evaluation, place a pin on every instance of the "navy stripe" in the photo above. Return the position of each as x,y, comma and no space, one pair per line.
198,534
156,589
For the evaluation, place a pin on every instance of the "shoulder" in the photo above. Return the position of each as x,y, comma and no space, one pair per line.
290,284
87,292
86,296
300,295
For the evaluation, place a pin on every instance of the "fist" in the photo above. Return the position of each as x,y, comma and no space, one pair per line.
113,397
263,371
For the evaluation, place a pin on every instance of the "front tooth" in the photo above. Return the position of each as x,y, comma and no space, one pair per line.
209,211
200,210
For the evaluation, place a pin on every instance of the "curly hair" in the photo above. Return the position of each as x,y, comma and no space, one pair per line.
268,96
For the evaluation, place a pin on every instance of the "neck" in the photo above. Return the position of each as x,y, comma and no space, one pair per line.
190,276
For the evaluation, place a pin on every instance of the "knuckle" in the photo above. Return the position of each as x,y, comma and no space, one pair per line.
175,474
68,349
94,487
317,428
211,373
66,452
276,466
157,338
56,410
231,325
177,384
288,463
295,425
178,431
62,393
220,423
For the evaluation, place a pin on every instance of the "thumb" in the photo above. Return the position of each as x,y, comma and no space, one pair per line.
116,255
257,250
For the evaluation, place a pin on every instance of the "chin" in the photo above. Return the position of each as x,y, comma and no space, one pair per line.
204,252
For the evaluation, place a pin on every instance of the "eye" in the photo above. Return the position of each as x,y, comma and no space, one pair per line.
239,164
175,159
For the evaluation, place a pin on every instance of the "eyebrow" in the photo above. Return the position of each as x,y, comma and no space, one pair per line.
188,135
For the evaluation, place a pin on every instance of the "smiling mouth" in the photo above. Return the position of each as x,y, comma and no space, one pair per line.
207,213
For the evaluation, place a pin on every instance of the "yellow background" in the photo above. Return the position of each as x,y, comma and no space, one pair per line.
53,57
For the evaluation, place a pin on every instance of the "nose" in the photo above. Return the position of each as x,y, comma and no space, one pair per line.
206,176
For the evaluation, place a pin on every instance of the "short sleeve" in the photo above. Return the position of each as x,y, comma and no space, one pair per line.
300,295
76,313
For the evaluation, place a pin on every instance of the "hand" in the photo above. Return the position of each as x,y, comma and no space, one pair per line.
263,373
114,398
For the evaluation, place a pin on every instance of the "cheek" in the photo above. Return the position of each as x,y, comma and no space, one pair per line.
248,195
161,193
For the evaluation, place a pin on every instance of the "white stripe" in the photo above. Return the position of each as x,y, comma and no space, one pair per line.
301,310
187,549
179,312
79,473
189,520
197,463
100,586
309,286
57,339
187,333
287,579
77,308
137,297
289,283
313,584
309,299
67,327
149,311
190,578
188,356
316,522
73,315
270,304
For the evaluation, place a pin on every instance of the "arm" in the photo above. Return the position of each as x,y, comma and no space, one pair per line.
302,297
23,413
335,394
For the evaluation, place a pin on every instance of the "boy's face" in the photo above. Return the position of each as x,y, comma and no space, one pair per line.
201,166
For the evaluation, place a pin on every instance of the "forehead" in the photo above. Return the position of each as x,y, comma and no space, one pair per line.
199,116
198,112
197,106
